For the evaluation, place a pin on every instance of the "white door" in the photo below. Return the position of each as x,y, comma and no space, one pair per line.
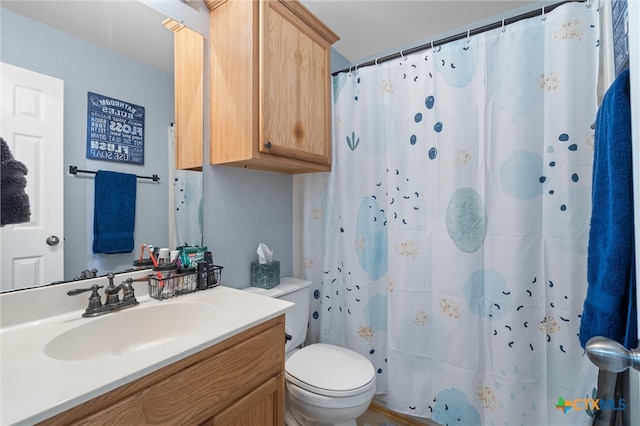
32,125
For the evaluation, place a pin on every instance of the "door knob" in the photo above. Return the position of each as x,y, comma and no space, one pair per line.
53,240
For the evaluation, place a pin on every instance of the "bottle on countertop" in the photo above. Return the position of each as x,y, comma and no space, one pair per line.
211,279
203,275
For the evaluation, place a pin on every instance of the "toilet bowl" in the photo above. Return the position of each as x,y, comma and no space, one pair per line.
325,384
328,384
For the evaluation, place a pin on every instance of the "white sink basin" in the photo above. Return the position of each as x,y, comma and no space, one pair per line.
134,329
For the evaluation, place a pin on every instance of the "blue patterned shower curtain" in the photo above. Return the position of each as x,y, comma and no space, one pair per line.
448,244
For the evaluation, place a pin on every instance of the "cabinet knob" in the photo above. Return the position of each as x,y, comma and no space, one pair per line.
267,145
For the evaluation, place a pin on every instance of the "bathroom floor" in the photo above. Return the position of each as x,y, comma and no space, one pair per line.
373,418
379,416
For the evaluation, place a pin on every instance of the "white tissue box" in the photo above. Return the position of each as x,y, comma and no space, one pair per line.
265,275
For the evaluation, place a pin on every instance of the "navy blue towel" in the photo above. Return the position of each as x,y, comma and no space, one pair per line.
610,305
114,213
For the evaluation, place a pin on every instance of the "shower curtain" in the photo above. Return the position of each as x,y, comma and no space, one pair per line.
448,243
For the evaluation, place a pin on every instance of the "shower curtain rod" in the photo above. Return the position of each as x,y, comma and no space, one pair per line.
488,27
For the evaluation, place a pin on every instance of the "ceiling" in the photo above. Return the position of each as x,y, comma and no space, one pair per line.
366,27
369,28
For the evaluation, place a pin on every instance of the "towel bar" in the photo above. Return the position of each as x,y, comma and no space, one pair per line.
74,171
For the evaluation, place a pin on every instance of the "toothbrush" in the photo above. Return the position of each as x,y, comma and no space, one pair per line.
142,252
153,258
155,263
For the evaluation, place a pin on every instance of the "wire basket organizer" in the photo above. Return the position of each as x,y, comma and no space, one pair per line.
178,284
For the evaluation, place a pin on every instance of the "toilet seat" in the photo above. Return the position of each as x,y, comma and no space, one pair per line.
330,370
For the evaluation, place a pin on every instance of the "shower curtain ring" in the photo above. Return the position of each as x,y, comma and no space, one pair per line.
468,36
402,56
503,28
356,71
544,18
376,61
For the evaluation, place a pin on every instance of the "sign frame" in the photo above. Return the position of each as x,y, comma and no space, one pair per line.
115,130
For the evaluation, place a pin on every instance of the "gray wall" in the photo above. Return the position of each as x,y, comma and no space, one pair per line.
243,208
338,62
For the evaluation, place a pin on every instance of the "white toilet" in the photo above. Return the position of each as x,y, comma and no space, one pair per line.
326,384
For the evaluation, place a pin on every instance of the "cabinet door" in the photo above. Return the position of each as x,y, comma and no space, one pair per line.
263,406
295,108
189,81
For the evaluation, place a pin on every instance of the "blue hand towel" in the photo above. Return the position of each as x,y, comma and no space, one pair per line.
610,304
114,212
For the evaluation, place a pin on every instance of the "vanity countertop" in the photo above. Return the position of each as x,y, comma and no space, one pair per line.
35,386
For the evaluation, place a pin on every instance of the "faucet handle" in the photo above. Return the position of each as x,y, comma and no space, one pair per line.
77,291
94,299
128,293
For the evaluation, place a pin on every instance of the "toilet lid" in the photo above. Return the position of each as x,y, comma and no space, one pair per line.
330,370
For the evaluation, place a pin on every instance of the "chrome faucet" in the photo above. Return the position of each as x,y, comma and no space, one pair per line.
113,302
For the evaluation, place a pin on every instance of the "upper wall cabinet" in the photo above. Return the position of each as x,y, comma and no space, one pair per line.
270,86
189,94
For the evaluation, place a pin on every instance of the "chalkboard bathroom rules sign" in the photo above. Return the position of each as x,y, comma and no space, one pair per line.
115,130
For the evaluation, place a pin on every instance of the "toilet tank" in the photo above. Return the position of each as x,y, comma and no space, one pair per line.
297,318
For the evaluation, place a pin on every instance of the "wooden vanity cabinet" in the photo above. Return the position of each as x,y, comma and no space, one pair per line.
188,47
239,381
270,86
